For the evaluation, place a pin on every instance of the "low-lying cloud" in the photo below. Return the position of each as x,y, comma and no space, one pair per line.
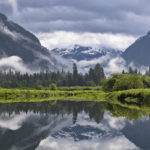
111,64
15,63
62,39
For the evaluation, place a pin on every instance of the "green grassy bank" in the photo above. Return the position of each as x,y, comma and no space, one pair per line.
17,95
137,98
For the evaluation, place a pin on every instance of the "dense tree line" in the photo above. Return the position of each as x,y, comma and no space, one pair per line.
132,70
12,79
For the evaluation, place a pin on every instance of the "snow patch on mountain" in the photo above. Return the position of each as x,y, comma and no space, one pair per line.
80,53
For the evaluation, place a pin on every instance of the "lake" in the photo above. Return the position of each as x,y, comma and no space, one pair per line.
68,125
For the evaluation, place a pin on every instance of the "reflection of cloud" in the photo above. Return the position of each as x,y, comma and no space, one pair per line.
115,123
112,139
106,135
115,143
14,122
108,123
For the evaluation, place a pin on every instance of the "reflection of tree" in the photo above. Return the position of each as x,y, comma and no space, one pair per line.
95,110
132,114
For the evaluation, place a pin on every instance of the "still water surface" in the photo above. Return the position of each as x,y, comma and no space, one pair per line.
64,125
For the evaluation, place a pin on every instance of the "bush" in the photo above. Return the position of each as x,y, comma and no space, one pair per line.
126,82
118,82
107,84
146,81
90,83
39,87
53,86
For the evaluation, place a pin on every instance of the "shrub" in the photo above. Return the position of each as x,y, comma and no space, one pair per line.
90,83
118,82
107,84
126,82
146,81
39,87
53,86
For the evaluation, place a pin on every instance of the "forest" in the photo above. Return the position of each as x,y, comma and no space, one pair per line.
11,79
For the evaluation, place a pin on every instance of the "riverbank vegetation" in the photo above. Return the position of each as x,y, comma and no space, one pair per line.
136,98
119,82
123,89
19,95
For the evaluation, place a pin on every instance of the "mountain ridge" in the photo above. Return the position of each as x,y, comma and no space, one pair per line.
139,51
17,41
79,52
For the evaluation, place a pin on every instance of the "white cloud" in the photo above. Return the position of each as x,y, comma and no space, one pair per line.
5,30
116,65
14,5
14,35
103,59
62,39
14,62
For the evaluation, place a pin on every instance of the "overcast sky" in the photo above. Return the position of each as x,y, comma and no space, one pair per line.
62,23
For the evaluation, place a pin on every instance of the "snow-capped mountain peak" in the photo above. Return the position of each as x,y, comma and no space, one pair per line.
79,52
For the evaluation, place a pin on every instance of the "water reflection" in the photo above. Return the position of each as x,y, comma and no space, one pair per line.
68,125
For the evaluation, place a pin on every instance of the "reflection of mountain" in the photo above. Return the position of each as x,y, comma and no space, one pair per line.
32,130
48,124
140,134
16,41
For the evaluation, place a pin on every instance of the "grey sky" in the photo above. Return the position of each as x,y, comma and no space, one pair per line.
95,16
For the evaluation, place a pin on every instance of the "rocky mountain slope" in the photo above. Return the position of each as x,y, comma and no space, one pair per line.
139,51
16,41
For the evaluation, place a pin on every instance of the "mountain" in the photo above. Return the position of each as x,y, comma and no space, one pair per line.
139,51
80,53
16,41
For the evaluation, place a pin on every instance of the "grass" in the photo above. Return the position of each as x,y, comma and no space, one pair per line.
135,98
74,88
18,95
